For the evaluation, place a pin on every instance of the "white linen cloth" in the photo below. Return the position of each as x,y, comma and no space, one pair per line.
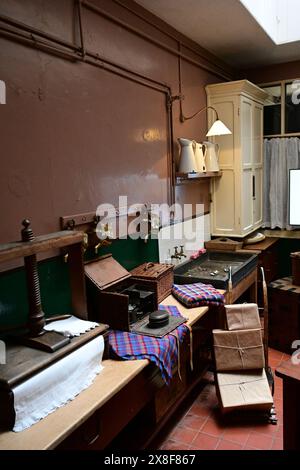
280,156
57,384
72,326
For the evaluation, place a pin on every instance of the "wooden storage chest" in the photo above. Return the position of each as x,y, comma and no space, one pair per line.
284,314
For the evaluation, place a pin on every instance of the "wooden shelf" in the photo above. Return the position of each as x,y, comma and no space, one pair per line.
41,243
186,177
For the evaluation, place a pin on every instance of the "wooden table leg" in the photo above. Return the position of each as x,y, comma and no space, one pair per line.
253,292
291,414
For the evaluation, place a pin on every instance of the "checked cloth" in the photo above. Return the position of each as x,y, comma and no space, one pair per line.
164,352
197,295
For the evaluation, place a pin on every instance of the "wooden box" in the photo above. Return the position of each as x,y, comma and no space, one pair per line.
111,291
223,244
156,275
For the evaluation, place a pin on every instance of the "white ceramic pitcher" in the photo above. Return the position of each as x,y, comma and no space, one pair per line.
199,157
187,162
211,155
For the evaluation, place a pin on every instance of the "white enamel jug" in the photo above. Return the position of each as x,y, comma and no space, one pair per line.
199,157
211,156
187,162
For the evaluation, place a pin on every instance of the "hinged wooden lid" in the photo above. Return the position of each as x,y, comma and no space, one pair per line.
151,270
105,272
223,244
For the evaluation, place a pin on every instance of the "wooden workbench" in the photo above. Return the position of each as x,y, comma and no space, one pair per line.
290,374
115,377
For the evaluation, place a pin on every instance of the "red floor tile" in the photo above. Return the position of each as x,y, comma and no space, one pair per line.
267,429
280,431
174,445
213,428
278,393
274,362
199,410
193,422
204,442
260,441
237,434
184,435
277,444
227,445
275,354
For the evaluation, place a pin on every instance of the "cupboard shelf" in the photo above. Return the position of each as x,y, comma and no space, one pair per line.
186,178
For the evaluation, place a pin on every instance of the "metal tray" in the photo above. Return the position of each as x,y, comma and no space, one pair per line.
213,268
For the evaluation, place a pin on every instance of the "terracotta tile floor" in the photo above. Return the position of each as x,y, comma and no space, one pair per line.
203,427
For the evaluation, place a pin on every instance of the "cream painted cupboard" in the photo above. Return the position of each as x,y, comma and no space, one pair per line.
237,203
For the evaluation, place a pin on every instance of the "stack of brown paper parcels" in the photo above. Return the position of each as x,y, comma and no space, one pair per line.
239,356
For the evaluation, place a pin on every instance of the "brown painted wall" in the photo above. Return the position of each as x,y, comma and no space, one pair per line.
272,73
74,135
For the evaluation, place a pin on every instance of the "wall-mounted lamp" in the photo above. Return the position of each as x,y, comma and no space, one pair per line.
218,127
190,159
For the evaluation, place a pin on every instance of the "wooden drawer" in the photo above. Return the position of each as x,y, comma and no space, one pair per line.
168,395
100,428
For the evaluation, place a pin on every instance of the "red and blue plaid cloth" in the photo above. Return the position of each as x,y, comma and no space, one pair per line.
197,295
162,351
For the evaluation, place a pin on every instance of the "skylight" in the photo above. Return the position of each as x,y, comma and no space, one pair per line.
279,18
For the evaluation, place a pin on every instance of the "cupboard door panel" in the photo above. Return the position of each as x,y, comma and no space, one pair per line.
246,131
257,134
224,201
257,196
247,204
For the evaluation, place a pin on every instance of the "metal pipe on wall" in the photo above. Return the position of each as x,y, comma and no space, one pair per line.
76,49
172,36
37,43
149,38
81,26
32,30
74,53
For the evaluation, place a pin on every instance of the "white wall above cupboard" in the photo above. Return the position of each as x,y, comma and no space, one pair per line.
236,208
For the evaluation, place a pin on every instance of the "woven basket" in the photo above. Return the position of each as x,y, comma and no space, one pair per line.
159,277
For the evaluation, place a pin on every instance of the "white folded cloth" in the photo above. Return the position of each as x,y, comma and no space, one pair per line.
72,326
57,384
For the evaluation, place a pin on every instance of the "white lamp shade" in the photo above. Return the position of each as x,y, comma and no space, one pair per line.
218,128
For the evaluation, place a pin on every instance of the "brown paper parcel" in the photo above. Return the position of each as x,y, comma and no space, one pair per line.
244,390
242,317
238,350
